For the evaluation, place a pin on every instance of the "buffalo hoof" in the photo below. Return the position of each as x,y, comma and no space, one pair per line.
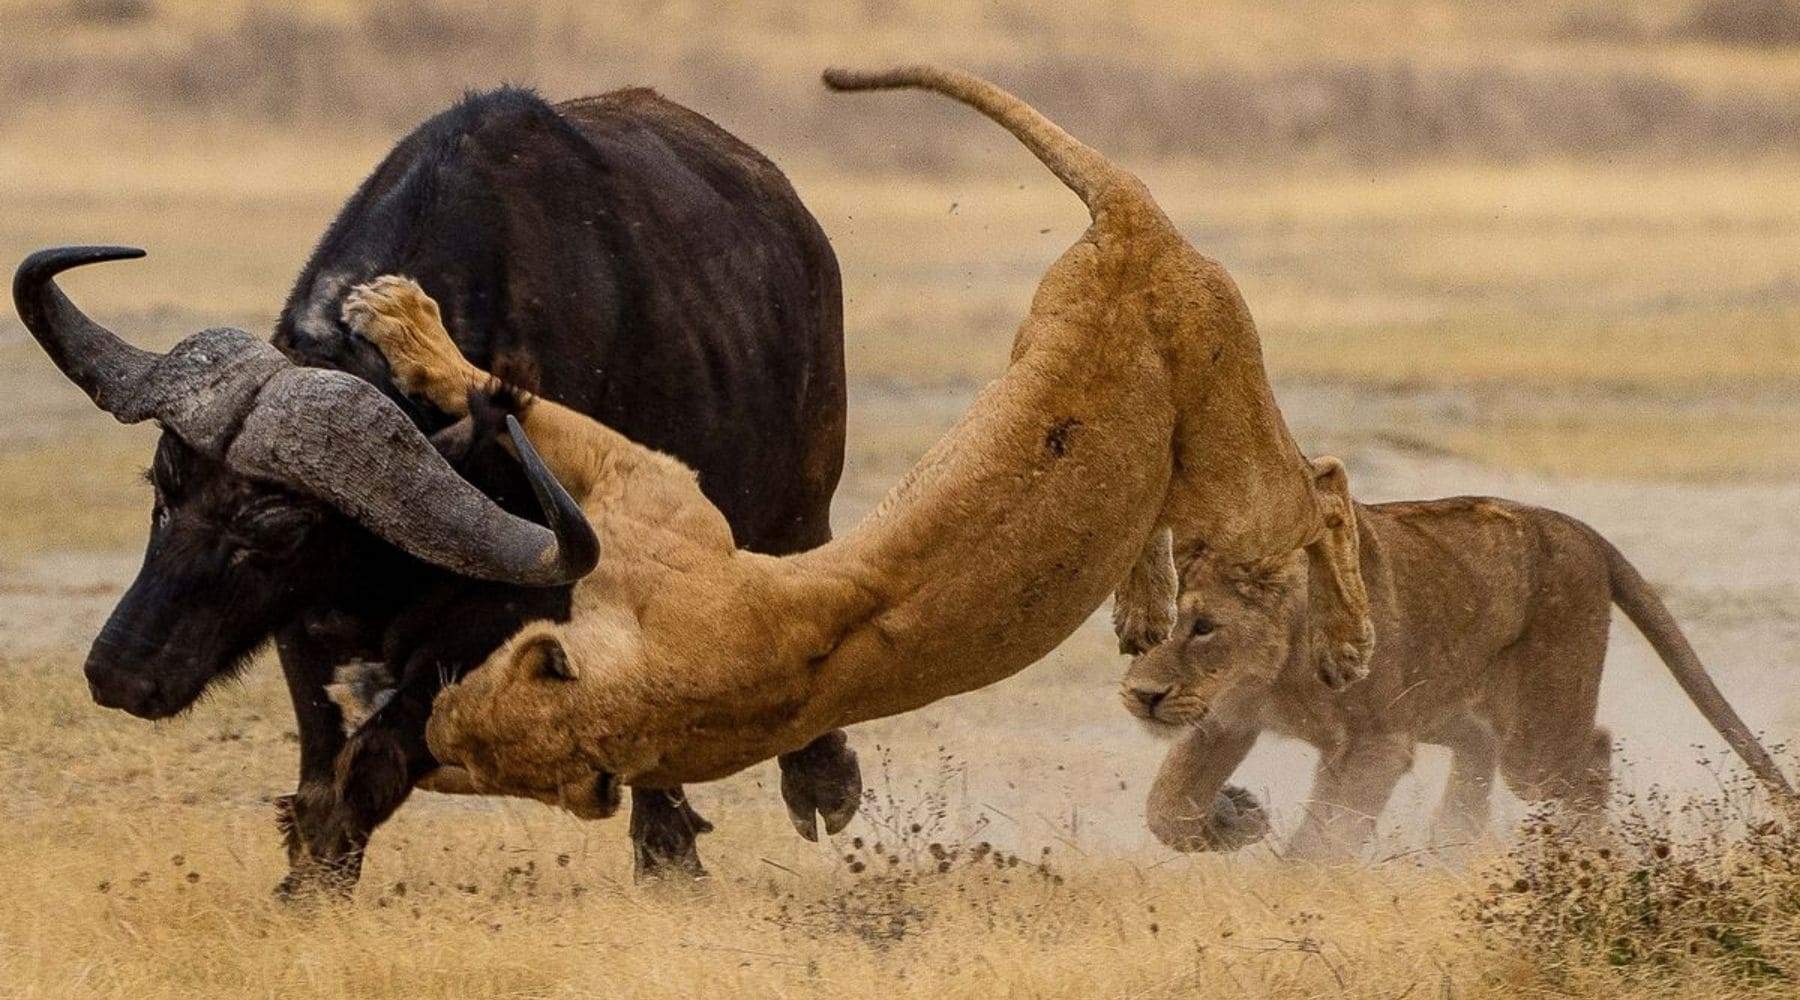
821,780
665,831
312,873
320,882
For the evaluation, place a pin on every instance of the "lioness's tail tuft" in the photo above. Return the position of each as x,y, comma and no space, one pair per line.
1085,171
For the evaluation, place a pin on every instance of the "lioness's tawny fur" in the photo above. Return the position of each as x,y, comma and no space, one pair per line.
1491,619
1133,421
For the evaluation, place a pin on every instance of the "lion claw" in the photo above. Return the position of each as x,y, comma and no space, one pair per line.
1140,632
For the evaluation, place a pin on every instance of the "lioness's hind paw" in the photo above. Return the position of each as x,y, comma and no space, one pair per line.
1140,632
1344,665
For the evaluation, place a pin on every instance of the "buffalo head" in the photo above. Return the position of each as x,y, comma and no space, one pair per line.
256,456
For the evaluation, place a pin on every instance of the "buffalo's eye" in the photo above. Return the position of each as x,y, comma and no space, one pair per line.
273,527
1203,627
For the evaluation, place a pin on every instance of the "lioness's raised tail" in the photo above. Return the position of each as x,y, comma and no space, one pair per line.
1084,170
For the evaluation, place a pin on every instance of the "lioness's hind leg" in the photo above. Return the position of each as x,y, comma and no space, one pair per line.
1551,750
1573,770
1144,604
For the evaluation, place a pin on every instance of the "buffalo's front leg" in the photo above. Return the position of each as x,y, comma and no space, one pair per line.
374,774
822,777
664,832
308,657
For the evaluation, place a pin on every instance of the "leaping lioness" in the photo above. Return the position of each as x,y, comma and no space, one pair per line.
1133,429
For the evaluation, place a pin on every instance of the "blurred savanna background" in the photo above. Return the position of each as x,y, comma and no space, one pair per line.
1543,249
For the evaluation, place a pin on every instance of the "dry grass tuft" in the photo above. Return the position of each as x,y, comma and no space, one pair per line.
1232,83
1674,890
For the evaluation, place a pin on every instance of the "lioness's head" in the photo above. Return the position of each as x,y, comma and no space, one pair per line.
521,721
1238,626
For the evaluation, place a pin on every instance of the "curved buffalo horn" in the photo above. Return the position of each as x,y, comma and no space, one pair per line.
335,436
327,434
200,389
578,548
105,367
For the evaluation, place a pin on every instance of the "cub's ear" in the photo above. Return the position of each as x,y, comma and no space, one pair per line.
544,656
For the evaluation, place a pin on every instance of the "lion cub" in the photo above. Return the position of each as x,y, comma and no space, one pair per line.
1491,622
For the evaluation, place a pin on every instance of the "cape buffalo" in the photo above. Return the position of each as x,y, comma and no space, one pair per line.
620,254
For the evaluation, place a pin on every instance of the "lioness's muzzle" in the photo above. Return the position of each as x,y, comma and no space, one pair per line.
323,433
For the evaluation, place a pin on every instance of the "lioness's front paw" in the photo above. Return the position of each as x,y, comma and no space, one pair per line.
821,778
396,315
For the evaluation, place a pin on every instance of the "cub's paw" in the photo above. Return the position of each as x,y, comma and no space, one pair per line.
821,780
1238,819
1235,821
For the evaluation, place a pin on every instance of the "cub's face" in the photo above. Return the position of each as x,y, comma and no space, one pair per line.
1238,627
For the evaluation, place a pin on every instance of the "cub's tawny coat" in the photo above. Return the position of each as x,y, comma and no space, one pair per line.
1491,620
1134,422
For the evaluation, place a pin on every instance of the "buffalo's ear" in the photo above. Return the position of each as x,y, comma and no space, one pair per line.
486,422
455,442
544,656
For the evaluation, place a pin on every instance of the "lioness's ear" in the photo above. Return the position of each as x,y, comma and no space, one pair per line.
1333,484
544,656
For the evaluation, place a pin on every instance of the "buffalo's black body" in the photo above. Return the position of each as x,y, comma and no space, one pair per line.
619,254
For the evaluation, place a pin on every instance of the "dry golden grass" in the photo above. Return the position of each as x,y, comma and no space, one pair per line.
137,863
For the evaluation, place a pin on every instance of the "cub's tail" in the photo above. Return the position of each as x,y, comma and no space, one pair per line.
1085,171
1634,596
